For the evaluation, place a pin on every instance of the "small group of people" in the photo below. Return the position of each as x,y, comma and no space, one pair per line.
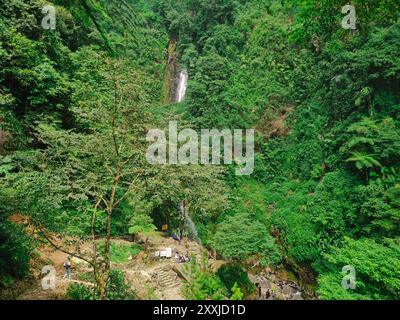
182,258
268,293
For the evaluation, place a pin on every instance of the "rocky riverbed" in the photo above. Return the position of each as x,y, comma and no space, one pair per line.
272,287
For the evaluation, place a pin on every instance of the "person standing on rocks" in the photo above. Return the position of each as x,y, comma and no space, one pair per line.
67,266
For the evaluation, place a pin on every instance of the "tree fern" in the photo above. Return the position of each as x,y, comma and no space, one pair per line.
363,161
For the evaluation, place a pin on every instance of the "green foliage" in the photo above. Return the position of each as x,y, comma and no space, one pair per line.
377,268
377,216
323,18
117,289
141,223
363,161
15,251
331,208
297,233
248,195
202,284
324,102
80,292
241,237
233,276
374,146
121,252
236,293
345,91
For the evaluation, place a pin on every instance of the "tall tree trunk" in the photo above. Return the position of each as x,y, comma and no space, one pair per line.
107,257
102,288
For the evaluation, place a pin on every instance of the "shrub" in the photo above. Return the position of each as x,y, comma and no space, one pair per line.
236,293
15,250
117,289
233,275
202,284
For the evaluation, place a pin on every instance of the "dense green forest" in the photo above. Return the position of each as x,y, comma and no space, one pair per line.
77,101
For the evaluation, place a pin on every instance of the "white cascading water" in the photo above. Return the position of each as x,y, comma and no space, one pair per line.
190,223
182,85
192,228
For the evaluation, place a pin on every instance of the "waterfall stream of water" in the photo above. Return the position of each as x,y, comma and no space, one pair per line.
184,212
192,228
182,86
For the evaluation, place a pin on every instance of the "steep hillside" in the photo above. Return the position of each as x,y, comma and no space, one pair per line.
87,85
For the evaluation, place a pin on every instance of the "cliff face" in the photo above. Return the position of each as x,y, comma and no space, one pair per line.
170,73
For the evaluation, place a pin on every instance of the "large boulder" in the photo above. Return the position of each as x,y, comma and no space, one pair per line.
179,271
288,290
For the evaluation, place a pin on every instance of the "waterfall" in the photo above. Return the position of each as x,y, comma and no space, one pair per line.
192,228
189,222
182,86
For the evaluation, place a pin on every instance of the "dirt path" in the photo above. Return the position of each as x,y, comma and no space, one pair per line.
153,277
37,292
48,256
149,277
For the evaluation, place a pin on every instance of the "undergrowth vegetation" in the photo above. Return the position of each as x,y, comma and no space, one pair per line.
324,103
